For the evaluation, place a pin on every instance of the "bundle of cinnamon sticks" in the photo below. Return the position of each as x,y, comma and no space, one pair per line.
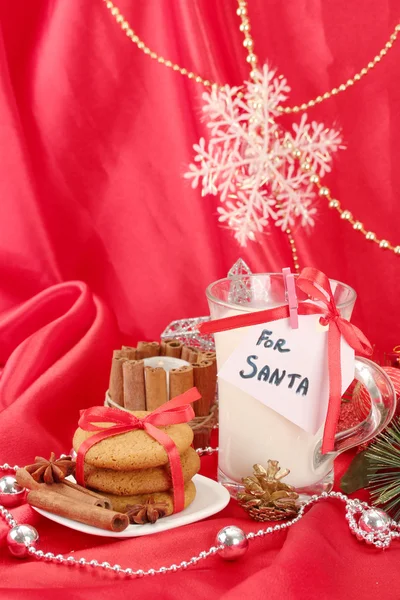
138,387
70,500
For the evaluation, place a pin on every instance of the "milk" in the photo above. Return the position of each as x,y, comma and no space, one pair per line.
250,432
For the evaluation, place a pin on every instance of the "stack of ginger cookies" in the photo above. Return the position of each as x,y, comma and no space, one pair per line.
132,470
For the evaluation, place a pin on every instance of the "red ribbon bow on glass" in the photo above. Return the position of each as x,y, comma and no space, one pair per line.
178,410
317,286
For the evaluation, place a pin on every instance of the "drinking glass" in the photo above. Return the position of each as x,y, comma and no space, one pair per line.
249,431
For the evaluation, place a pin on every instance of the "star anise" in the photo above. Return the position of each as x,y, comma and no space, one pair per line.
52,470
148,512
266,497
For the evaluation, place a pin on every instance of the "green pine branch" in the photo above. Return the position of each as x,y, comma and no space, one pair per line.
384,470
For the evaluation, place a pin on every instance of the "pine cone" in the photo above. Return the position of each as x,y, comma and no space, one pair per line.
265,497
52,470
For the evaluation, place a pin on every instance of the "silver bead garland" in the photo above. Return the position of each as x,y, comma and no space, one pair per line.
380,537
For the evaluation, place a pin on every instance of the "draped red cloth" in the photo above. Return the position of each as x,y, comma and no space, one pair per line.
98,221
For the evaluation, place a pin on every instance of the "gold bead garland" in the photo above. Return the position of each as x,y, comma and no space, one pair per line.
346,215
130,33
292,244
251,58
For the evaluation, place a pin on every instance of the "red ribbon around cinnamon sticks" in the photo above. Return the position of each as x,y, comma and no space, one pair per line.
316,284
178,410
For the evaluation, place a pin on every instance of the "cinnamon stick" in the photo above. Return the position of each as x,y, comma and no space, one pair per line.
116,387
163,346
128,352
156,387
189,353
173,348
46,499
213,357
25,479
180,380
204,380
193,356
66,488
207,356
80,494
148,349
201,438
134,387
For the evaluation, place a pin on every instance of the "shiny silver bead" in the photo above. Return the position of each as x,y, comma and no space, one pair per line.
129,572
174,568
93,563
184,564
49,556
59,558
233,541
82,562
19,538
139,573
116,568
162,570
39,554
70,560
374,520
11,493
151,572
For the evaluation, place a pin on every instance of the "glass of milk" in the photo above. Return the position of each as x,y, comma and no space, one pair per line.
249,431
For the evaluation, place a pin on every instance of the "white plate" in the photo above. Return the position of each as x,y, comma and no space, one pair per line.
211,497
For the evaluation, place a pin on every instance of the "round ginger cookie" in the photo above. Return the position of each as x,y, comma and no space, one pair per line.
132,450
140,481
120,503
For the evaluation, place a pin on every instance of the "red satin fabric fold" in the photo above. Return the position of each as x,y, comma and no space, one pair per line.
316,285
178,410
94,138
56,349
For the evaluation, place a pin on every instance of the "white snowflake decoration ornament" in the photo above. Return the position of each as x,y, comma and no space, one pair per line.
256,166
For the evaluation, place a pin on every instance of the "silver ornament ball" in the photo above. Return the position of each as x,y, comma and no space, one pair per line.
19,538
234,542
374,520
11,493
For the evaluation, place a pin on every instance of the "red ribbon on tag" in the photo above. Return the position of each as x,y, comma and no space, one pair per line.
316,284
178,410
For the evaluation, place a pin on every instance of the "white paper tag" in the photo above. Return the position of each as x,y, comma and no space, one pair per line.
287,369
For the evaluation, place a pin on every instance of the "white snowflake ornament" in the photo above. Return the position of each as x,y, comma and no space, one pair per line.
260,170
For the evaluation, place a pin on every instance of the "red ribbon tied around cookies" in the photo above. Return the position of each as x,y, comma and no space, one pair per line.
316,284
176,411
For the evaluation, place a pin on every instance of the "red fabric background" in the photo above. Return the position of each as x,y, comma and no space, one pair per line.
94,137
